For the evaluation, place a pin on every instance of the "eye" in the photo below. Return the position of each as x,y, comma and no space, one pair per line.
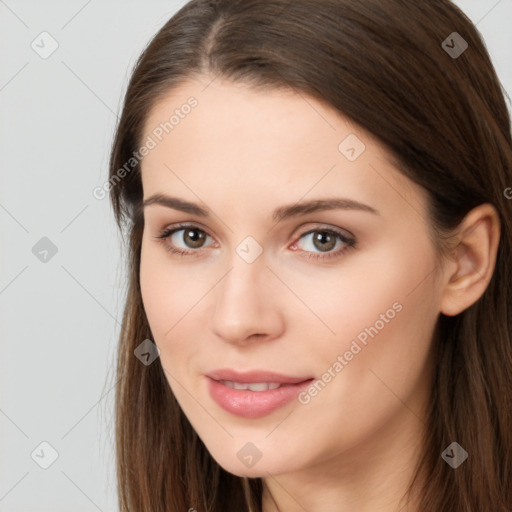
324,241
189,240
190,237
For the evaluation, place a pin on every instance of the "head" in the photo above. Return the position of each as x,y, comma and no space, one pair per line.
250,110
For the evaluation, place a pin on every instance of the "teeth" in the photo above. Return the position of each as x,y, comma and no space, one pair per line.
253,386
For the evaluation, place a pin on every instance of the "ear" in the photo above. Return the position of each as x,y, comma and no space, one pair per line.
472,261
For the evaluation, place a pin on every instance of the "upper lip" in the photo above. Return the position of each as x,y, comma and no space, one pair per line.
254,376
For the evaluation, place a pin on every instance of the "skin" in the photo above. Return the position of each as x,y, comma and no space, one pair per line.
241,153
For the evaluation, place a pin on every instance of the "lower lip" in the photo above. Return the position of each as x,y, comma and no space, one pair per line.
254,404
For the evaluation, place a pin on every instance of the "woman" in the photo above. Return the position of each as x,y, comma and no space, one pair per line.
318,313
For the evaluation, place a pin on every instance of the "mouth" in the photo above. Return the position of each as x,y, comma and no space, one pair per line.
253,386
253,394
254,377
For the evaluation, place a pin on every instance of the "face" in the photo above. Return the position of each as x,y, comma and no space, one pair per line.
335,303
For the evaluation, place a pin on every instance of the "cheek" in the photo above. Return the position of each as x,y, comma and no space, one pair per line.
163,290
154,289
172,296
378,313
383,312
384,359
345,300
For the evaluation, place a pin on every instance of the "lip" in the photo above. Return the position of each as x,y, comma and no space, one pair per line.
254,376
254,404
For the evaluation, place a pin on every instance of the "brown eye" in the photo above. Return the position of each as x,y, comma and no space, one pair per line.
193,238
324,240
184,239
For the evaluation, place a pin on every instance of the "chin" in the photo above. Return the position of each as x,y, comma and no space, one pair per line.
260,469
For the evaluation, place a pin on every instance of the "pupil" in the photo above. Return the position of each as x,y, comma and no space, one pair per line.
195,236
324,238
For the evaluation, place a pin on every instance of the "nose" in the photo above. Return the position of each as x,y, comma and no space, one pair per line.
247,304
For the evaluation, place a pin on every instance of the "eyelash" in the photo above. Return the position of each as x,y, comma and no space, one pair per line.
349,242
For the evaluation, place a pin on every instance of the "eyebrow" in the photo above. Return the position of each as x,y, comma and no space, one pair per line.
279,214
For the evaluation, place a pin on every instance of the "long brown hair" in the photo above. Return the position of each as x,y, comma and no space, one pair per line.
443,117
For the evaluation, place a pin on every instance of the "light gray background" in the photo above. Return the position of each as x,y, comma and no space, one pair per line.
60,319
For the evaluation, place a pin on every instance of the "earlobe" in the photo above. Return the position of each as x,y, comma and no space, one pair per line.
474,258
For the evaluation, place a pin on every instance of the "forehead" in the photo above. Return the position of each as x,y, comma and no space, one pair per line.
218,136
